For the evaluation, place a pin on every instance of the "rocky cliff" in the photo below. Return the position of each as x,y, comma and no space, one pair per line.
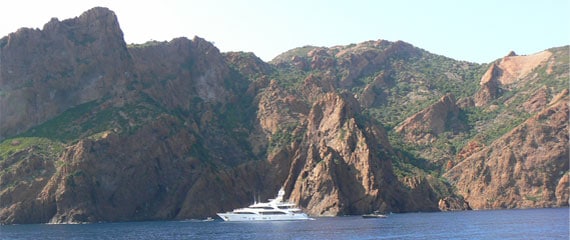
525,168
509,70
427,124
67,63
344,166
95,130
338,172
525,164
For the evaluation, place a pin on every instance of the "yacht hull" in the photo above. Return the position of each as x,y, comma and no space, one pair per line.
276,209
234,217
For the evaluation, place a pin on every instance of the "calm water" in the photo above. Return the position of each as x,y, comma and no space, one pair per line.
499,224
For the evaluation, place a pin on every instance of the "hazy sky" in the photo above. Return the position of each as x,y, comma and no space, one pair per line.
476,30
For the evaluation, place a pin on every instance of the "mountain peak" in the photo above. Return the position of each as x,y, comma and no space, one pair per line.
94,16
512,54
98,14
80,59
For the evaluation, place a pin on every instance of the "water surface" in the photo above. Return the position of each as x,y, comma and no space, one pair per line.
496,224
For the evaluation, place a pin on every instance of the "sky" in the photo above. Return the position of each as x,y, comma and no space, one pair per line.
476,30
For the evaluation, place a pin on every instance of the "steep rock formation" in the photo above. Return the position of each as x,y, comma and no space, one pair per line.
343,65
489,86
178,71
527,167
364,58
343,166
509,70
375,92
145,152
278,108
176,130
562,193
24,193
424,126
121,178
78,60
453,204
117,178
278,117
321,59
518,67
194,80
338,172
248,64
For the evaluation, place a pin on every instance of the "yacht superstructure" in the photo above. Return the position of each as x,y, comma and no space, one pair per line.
275,210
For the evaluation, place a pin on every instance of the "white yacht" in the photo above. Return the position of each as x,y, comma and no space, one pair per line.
275,210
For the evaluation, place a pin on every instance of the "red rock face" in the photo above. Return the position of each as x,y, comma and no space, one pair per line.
509,70
538,102
191,131
98,177
489,86
27,201
528,167
343,167
426,125
179,70
78,60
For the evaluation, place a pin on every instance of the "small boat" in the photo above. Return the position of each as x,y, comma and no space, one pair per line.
375,214
208,219
275,210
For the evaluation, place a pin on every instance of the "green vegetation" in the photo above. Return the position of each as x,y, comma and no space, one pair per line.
21,160
412,81
60,128
42,146
94,117
535,198
407,161
290,78
420,81
296,52
403,82
285,135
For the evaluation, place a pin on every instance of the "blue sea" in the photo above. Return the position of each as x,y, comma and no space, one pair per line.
496,224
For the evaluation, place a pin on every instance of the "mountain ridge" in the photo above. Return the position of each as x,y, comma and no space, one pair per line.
177,129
